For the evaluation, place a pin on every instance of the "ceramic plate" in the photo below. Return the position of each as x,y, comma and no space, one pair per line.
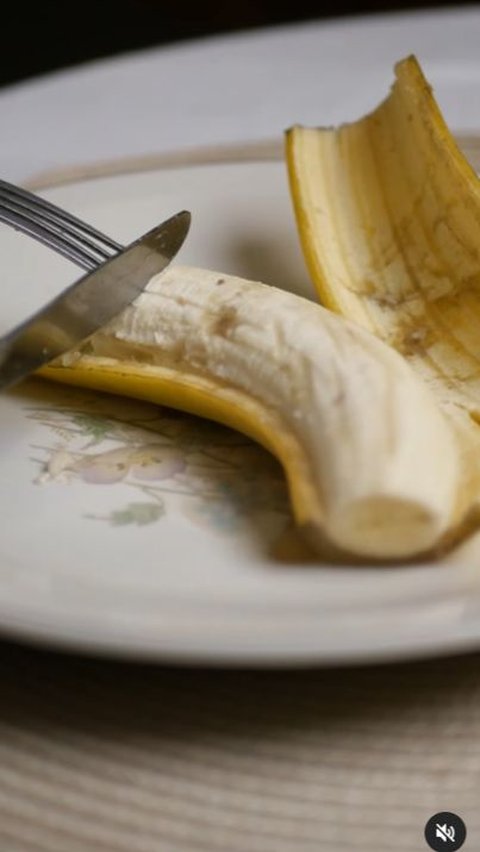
139,531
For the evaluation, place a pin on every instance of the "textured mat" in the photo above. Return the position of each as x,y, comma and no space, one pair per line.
123,758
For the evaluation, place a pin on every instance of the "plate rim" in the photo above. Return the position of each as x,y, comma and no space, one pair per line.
263,150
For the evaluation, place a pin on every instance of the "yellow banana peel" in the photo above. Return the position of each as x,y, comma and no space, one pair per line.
388,212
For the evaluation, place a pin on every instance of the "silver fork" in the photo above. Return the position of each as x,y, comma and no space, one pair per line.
116,275
54,227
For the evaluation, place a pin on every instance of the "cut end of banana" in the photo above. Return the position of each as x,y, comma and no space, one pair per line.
378,524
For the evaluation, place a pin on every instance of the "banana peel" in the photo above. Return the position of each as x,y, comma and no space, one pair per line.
388,213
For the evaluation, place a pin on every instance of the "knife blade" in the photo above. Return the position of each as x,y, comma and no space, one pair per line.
90,302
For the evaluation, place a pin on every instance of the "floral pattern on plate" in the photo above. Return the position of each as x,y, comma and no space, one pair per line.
217,477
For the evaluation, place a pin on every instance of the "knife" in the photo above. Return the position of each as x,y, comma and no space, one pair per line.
90,302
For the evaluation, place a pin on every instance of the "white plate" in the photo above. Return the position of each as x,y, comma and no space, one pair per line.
237,86
137,531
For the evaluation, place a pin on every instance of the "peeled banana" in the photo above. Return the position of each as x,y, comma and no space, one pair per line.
349,420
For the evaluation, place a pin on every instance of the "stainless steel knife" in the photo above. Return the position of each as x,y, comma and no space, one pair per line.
90,302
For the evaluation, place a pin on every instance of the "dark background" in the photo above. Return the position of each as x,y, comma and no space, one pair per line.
41,37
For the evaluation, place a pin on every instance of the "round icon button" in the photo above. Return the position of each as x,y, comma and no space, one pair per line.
445,832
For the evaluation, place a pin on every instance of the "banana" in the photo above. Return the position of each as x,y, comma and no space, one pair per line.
371,403
371,462
388,211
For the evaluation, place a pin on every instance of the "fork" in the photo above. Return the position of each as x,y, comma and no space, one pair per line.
54,227
116,275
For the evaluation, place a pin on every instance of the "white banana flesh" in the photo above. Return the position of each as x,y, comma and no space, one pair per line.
371,461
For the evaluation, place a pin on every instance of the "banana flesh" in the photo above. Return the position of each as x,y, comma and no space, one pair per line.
349,420
388,212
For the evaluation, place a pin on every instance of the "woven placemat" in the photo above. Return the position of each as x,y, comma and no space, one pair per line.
119,757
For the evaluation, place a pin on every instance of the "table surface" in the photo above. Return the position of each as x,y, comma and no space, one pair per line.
120,758
97,755
235,88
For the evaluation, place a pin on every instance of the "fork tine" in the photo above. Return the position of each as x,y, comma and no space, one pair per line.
22,214
61,217
53,225
50,238
29,208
